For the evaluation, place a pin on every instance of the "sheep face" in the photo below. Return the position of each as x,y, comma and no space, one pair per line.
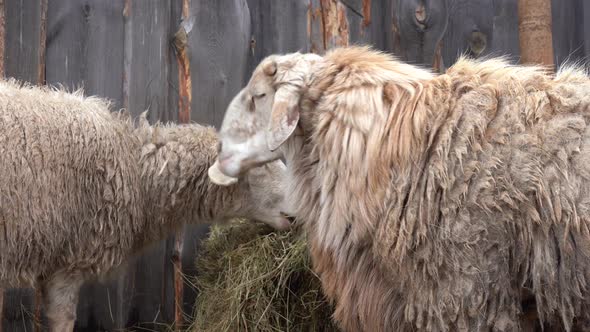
266,194
264,114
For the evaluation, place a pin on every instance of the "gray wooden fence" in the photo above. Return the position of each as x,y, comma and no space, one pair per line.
183,60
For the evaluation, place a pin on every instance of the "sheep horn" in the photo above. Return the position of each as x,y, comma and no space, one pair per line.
219,178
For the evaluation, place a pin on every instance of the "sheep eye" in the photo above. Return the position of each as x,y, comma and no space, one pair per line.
260,95
252,105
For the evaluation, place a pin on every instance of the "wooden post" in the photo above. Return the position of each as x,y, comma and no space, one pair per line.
180,42
37,303
37,310
2,38
534,28
1,306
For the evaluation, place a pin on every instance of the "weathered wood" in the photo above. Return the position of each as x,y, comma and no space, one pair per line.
192,239
334,23
219,44
180,43
2,51
315,30
534,29
586,31
470,29
419,27
1,308
18,310
85,47
505,30
147,304
22,29
42,43
147,57
567,29
288,20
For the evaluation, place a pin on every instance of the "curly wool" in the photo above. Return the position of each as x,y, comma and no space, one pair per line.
82,188
436,203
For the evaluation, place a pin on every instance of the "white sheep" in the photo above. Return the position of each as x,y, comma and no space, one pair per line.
431,202
82,189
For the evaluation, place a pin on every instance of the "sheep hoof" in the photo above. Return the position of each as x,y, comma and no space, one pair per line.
219,178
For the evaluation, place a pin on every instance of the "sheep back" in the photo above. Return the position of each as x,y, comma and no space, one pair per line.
69,184
437,203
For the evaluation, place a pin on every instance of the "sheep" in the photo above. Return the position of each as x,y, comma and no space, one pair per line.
83,189
431,202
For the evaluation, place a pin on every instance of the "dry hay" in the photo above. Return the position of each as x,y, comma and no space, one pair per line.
254,279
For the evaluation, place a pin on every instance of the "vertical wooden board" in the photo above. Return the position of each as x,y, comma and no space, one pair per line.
147,302
2,39
418,27
377,25
277,27
470,29
194,234
219,46
315,27
18,310
356,22
173,74
23,27
168,305
567,27
586,33
105,305
66,43
505,30
85,47
147,57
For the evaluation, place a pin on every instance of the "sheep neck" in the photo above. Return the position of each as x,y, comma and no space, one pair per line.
176,185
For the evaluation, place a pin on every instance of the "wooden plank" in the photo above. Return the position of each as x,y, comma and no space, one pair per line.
22,29
84,39
288,22
219,44
418,28
568,30
18,310
505,30
2,51
192,241
470,29
586,32
147,304
147,57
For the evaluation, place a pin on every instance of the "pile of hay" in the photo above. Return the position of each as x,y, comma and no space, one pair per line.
253,279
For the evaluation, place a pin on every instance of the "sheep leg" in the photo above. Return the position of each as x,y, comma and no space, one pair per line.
61,299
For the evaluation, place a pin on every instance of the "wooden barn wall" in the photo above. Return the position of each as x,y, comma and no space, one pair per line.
183,60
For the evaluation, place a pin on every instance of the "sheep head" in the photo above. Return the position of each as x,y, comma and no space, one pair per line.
264,114
264,197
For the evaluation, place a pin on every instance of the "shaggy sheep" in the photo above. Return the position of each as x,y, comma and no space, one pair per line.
82,189
432,203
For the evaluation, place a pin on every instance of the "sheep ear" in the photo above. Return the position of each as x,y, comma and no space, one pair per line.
283,118
219,178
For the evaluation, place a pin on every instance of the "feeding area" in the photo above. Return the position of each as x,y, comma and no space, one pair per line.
294,165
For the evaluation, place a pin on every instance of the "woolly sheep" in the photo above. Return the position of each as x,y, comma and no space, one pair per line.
82,189
431,202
